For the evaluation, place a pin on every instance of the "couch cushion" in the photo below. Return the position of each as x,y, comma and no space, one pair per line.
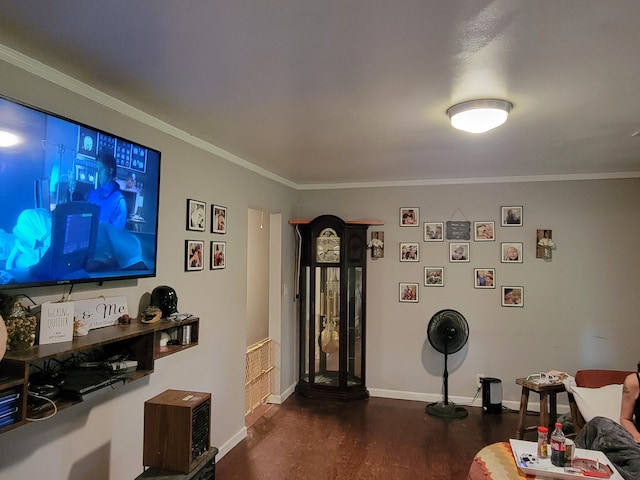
599,402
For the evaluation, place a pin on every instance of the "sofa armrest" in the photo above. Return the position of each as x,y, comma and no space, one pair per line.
600,378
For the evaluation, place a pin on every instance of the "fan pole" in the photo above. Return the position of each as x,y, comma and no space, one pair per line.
444,409
445,376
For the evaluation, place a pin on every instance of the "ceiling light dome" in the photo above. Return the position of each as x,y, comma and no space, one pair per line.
479,116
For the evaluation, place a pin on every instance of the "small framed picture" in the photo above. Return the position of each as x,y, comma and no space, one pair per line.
512,296
484,277
409,292
409,252
218,255
218,219
409,217
484,231
459,252
511,252
511,216
434,276
433,231
194,255
196,216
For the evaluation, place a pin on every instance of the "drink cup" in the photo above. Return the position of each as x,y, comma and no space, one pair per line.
569,452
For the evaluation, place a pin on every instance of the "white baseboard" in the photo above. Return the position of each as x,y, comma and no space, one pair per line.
278,399
464,401
232,442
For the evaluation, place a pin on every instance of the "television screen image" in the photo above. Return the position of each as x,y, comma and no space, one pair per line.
78,204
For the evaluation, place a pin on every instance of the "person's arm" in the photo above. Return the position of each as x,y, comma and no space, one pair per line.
630,390
120,215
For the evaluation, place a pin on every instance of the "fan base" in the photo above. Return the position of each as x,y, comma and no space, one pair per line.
441,410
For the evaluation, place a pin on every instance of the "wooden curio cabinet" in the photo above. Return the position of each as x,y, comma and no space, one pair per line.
332,309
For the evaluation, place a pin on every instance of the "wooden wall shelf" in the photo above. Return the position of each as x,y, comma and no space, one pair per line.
139,341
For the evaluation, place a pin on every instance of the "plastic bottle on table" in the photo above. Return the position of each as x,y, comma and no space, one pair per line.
543,444
558,446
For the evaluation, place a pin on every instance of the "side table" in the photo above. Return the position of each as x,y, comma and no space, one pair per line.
206,470
548,404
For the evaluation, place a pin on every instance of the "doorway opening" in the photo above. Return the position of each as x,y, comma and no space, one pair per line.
263,311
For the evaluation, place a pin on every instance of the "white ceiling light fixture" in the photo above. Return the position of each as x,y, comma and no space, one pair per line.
479,116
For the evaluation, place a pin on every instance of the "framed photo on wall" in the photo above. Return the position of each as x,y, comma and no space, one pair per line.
196,217
484,277
433,231
484,231
512,296
218,219
511,252
409,292
218,255
511,216
434,276
409,252
409,217
459,252
194,255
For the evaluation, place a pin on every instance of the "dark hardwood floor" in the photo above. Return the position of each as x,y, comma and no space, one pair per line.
377,438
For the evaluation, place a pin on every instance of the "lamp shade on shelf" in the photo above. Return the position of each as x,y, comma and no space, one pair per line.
479,116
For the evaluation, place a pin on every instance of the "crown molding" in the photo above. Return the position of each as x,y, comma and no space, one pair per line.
65,81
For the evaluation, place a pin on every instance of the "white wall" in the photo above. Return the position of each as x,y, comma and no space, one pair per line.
580,309
258,234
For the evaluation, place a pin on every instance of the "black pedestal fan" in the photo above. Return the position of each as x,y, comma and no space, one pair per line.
448,332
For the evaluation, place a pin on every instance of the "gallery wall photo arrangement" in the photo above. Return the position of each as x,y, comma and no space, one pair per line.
511,216
409,217
434,276
512,296
218,219
511,252
409,252
194,255
218,255
484,277
408,292
196,215
433,231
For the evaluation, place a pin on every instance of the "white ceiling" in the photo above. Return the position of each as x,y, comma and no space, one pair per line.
349,91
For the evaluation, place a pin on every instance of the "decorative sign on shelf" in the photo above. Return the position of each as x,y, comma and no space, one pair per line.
100,312
56,322
458,230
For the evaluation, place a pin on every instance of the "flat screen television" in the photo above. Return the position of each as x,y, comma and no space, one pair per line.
77,204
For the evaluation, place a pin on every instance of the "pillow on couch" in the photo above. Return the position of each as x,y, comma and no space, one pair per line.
599,402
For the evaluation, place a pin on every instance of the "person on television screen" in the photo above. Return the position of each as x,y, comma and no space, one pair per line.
116,247
113,206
